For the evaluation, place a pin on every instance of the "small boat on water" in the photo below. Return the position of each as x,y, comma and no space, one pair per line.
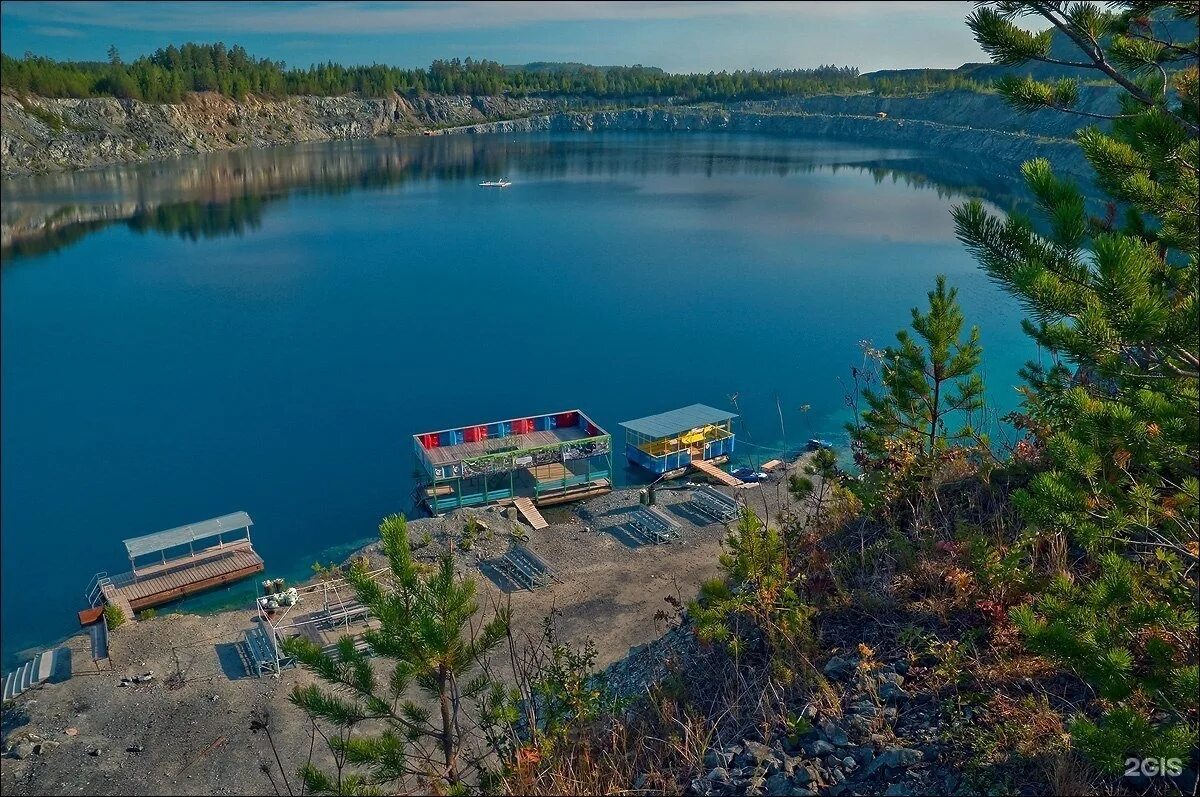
501,183
749,474
816,444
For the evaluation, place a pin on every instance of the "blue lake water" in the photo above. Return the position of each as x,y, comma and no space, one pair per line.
265,331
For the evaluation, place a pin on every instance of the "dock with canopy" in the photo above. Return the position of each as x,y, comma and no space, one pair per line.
178,562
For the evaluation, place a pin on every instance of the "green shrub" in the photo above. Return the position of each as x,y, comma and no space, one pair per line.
148,614
471,530
114,616
48,118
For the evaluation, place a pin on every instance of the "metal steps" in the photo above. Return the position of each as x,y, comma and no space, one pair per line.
98,634
32,673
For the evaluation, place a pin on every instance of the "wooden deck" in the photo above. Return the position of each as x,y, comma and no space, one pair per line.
443,455
180,579
552,472
575,493
712,471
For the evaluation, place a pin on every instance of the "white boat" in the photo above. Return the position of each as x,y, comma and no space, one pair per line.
501,183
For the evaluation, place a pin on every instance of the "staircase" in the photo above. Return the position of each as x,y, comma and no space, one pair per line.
531,513
30,674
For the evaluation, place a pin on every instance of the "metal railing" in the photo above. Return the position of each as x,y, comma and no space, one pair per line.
95,588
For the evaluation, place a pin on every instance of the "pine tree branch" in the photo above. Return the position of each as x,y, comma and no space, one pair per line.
1184,51
1089,114
1091,48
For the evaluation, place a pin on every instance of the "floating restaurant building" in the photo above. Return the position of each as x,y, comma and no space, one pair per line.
539,460
668,443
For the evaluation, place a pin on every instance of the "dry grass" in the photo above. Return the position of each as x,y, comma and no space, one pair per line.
1068,774
657,751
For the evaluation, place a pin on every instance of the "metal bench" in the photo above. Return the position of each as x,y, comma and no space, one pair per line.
653,526
715,504
524,567
344,614
260,653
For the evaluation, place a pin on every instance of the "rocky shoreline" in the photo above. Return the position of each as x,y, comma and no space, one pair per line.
46,135
998,145
41,135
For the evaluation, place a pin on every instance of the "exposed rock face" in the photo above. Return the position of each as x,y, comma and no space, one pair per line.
1007,148
41,135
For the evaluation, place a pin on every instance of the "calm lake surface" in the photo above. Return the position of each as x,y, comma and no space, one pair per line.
265,331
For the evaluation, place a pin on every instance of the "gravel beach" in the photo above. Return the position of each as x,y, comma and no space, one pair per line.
188,730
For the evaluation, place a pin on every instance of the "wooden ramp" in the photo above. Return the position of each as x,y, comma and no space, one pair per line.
711,470
531,513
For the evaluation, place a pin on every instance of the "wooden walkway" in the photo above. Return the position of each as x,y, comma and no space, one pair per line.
134,593
114,597
576,493
531,513
712,471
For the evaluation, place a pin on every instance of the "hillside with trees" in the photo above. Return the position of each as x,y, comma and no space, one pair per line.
169,73
952,619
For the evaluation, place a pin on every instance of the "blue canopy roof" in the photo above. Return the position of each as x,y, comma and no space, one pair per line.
668,424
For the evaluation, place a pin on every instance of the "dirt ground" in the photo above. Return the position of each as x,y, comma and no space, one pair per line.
191,733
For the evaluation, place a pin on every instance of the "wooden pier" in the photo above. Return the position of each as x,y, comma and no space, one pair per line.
210,560
234,564
712,471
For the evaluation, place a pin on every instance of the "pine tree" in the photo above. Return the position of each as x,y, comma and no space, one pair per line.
425,631
924,387
757,606
1113,420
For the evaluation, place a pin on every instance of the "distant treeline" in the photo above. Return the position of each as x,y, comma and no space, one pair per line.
168,74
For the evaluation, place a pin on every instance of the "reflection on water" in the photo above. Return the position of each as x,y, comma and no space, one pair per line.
375,292
227,193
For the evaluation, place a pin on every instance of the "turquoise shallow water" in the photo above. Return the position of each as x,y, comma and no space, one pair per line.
265,331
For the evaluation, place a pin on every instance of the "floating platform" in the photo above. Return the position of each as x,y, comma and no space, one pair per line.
204,573
191,559
667,443
547,459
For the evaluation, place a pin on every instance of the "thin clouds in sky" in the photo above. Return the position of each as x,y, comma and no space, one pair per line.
678,36
57,32
374,18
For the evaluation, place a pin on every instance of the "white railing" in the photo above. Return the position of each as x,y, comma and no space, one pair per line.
95,588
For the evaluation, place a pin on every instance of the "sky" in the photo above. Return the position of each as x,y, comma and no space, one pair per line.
677,36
